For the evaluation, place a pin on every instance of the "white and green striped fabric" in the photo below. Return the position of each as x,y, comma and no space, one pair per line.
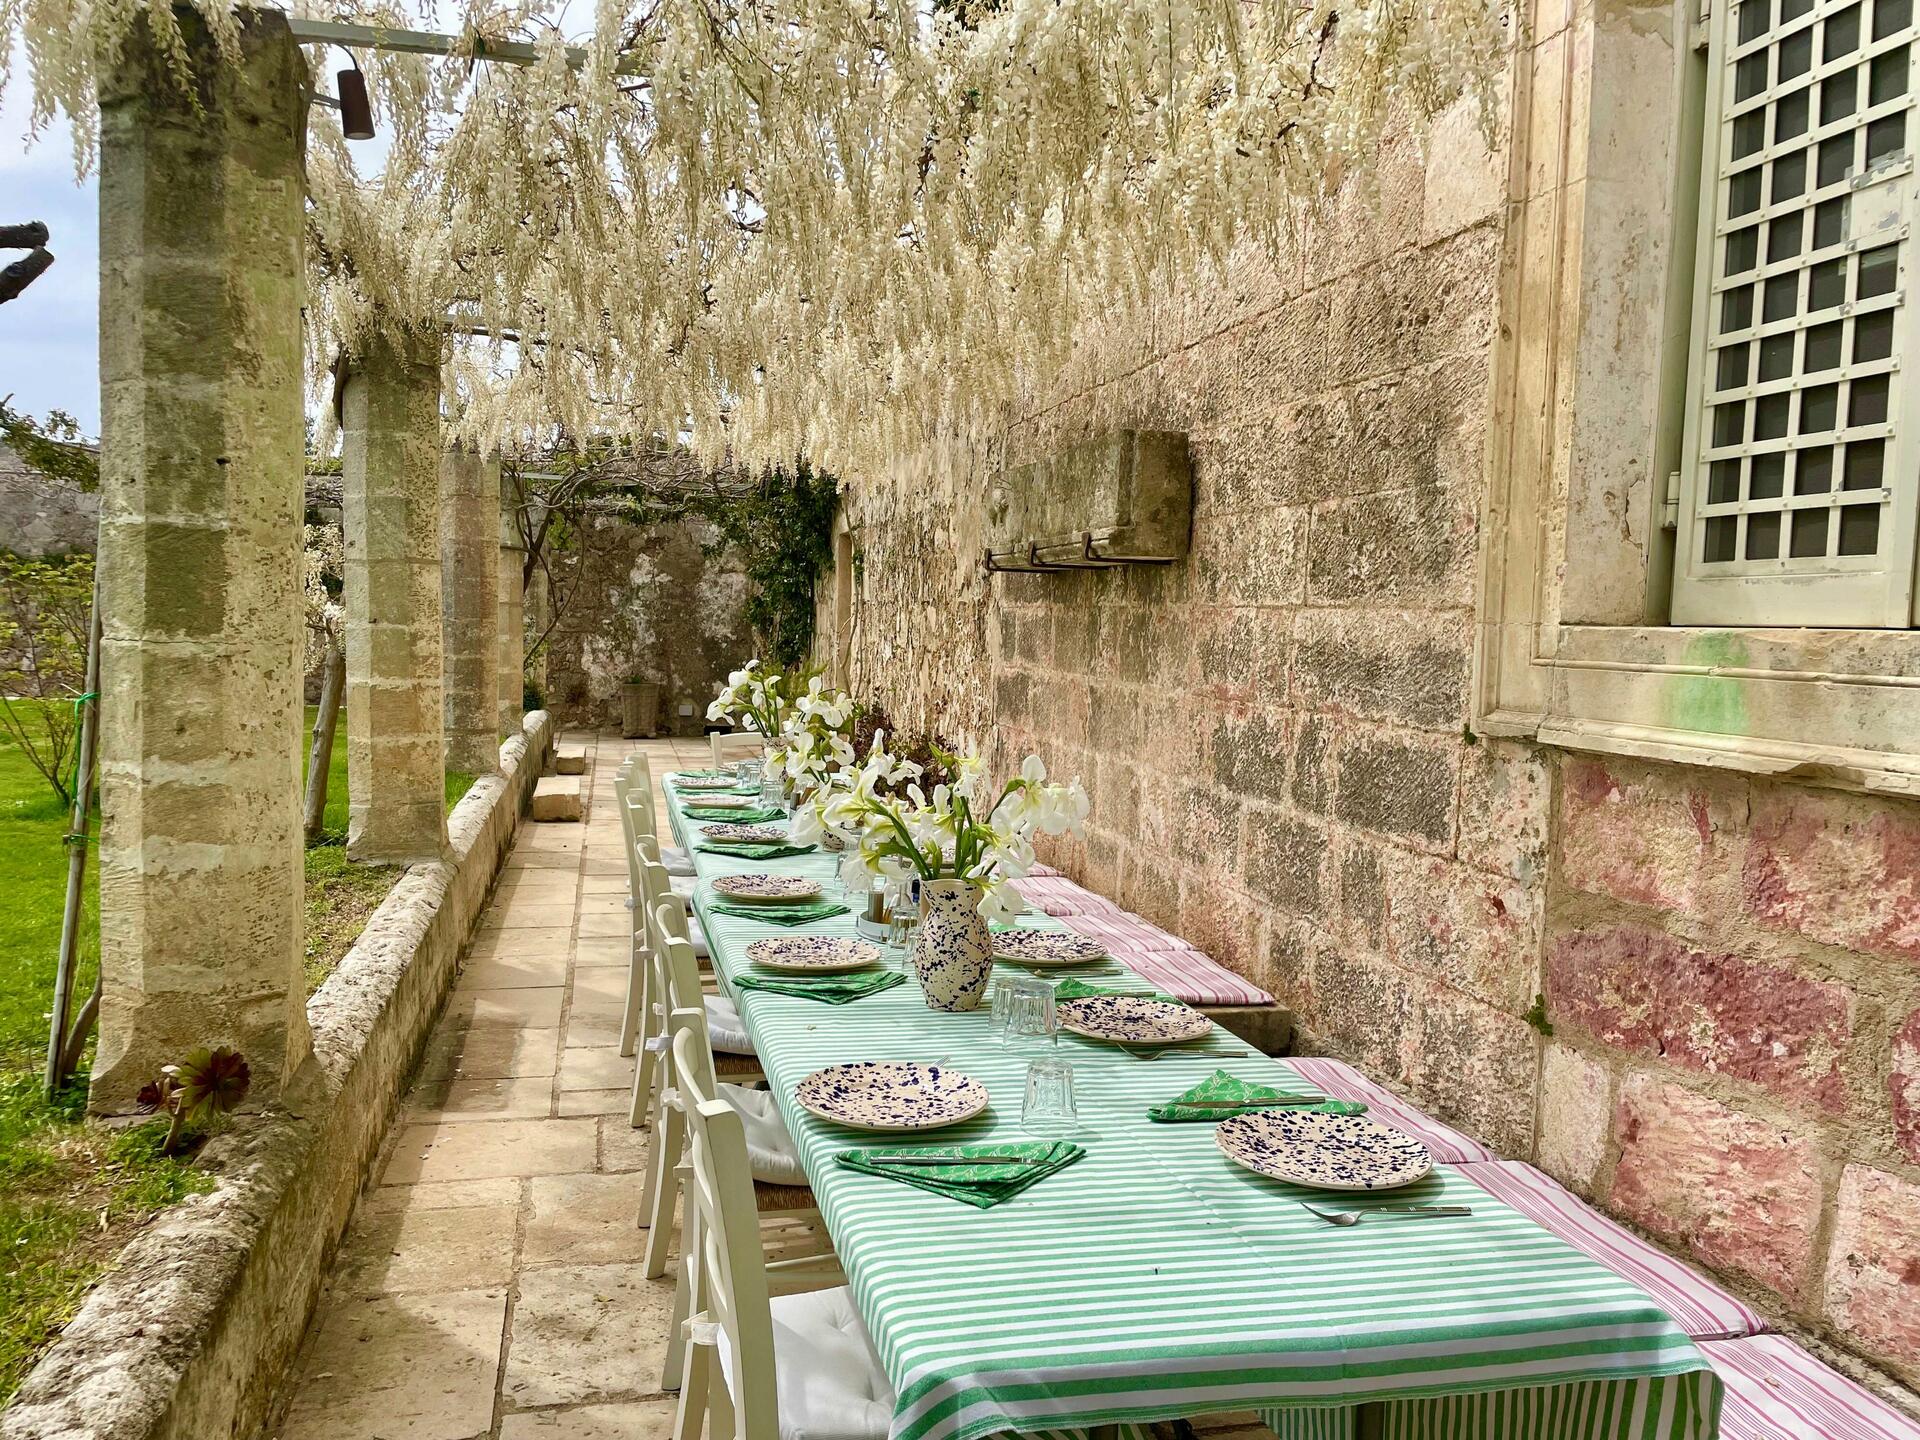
1155,1279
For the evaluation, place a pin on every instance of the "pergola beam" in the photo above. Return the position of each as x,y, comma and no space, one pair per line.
430,42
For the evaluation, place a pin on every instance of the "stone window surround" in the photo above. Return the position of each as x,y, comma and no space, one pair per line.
1589,371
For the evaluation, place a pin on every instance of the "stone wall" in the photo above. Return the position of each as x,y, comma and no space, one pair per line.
1278,739
41,516
192,1331
645,602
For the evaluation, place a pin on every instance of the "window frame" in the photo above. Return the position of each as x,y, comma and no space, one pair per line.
1874,593
1574,648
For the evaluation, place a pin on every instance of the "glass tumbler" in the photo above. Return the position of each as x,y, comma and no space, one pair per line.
1032,1023
1049,1107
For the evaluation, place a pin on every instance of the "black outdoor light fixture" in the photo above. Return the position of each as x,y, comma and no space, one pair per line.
356,110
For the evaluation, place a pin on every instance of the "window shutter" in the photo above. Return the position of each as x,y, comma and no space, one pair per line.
1800,496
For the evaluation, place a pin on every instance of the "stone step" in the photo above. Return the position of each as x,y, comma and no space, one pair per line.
556,797
570,759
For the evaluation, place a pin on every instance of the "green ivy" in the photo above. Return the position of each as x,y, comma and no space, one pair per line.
781,533
55,449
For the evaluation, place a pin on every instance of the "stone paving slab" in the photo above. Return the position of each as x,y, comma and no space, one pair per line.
490,1286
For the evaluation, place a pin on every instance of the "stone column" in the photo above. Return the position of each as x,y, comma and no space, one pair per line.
390,466
201,277
470,600
512,614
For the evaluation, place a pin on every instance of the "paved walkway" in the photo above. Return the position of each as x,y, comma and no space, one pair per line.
490,1285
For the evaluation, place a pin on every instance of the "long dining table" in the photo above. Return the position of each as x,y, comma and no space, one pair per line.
1155,1279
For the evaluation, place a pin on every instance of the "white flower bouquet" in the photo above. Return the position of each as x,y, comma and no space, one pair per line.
758,699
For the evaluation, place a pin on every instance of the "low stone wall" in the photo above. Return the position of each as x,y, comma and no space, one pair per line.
190,1333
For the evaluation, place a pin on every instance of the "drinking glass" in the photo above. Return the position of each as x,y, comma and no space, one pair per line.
1002,1002
1049,1107
749,772
1032,1023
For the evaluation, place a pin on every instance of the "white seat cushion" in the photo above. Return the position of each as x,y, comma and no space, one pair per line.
675,860
697,937
828,1382
726,1031
771,1153
683,885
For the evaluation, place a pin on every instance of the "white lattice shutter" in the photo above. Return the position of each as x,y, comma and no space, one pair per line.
1801,488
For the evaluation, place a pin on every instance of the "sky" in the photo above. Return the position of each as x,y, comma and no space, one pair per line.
49,336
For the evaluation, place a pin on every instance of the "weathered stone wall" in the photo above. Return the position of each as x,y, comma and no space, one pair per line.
43,516
1277,735
190,1334
645,603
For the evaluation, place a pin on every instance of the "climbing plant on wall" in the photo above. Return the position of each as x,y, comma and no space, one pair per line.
781,533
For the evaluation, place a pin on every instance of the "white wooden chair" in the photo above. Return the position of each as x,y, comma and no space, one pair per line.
758,1366
644,1015
725,1053
646,821
730,746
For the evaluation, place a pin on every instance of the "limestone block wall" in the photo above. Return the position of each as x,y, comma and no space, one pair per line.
1278,739
642,600
43,516
192,1331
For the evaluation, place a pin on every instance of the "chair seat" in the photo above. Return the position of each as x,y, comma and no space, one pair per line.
726,1031
829,1384
1343,1082
737,1067
1697,1305
771,1153
1774,1390
697,937
676,861
774,1199
682,885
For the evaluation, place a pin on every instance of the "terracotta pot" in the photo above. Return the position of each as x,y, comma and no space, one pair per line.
952,952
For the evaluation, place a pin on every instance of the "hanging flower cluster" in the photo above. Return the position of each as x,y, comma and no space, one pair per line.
832,228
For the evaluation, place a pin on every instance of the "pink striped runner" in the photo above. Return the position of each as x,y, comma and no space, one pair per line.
1774,1390
1056,895
1697,1305
1339,1079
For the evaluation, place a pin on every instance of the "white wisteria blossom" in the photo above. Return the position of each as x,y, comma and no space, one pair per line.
832,228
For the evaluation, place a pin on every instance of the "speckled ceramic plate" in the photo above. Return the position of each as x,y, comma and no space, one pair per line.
1132,1020
1046,949
891,1095
728,802
1323,1152
738,834
813,954
704,782
759,885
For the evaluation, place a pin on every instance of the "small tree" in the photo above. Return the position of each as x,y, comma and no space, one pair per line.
321,575
44,614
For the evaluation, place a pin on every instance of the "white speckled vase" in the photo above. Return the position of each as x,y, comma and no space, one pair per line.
952,952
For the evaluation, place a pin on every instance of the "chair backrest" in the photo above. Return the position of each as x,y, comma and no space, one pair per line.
679,966
646,820
722,1236
621,788
736,745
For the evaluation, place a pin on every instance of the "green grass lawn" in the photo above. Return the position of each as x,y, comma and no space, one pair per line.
71,1192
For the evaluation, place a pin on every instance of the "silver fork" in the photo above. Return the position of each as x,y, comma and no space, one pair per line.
1345,1218
1183,1050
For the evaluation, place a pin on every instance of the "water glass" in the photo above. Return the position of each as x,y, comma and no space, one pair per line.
1049,1108
749,772
1002,1003
1031,1020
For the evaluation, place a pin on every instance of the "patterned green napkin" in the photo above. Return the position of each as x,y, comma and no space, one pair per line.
984,1185
1072,989
753,849
1222,1086
782,914
833,989
742,817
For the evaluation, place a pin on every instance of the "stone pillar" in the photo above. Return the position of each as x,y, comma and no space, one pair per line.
201,278
512,615
390,466
470,601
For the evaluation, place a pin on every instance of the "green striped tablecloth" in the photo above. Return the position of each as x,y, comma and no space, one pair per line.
1156,1279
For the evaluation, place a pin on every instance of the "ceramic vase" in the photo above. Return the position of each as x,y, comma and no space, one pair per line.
952,952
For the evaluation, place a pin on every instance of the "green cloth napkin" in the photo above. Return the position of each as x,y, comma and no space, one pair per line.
1072,989
753,849
833,989
782,914
1222,1086
741,817
983,1186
